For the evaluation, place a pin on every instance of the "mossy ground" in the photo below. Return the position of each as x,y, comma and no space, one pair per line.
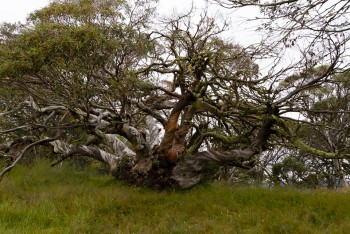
62,200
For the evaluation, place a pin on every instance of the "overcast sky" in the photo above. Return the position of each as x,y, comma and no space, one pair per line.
18,10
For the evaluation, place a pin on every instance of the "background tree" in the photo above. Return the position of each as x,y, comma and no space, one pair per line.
315,35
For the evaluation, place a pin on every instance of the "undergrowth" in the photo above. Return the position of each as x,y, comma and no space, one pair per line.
41,199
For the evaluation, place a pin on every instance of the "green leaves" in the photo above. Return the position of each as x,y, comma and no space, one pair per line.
72,47
78,12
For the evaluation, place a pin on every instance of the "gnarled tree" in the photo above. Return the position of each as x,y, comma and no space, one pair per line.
158,105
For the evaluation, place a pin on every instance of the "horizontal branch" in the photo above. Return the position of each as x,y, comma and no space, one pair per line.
234,4
115,144
68,150
19,107
189,172
30,102
14,129
20,155
319,111
319,153
304,147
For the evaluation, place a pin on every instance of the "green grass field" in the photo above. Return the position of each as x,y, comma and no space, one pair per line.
61,200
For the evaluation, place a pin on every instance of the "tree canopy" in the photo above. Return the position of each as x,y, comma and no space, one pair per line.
172,102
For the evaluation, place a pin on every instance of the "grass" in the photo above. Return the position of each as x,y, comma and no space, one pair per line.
61,200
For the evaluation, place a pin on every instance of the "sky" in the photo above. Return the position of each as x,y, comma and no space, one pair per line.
17,10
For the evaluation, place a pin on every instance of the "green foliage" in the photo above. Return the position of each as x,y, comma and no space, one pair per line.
123,170
34,201
70,45
289,165
210,171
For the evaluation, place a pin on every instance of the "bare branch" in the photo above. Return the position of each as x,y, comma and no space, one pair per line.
30,102
21,154
15,129
118,147
240,3
68,150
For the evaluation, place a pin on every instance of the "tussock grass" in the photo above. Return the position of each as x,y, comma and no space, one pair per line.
62,200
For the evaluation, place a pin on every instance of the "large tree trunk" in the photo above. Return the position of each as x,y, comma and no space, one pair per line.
158,171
